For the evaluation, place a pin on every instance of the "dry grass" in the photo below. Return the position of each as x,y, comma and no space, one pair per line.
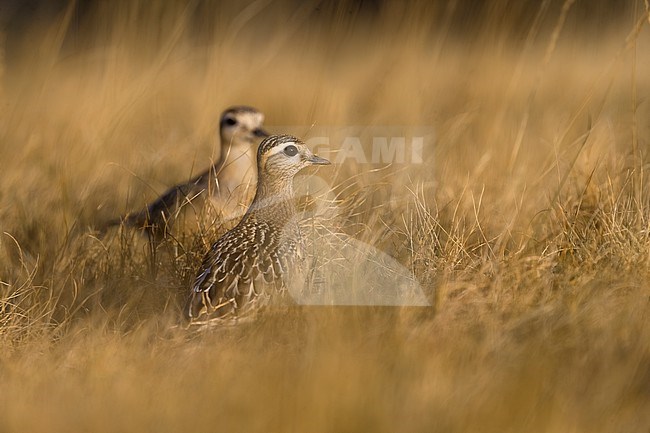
527,225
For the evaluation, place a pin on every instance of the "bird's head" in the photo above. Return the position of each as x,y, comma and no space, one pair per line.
241,125
283,156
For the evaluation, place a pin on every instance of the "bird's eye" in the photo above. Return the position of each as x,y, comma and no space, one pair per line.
229,121
290,150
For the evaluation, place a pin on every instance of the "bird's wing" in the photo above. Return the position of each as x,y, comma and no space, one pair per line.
228,271
157,213
242,263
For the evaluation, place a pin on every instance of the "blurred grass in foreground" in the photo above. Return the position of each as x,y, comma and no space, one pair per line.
527,223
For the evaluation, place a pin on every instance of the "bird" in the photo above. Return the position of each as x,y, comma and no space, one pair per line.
263,251
227,182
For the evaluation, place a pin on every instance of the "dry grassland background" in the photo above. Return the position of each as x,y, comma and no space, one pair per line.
527,224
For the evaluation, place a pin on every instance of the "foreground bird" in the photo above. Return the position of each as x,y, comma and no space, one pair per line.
227,181
263,250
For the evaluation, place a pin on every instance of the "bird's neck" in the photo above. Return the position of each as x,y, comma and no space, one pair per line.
236,166
235,154
274,197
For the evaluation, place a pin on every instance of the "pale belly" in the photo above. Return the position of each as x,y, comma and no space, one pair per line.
226,200
234,191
